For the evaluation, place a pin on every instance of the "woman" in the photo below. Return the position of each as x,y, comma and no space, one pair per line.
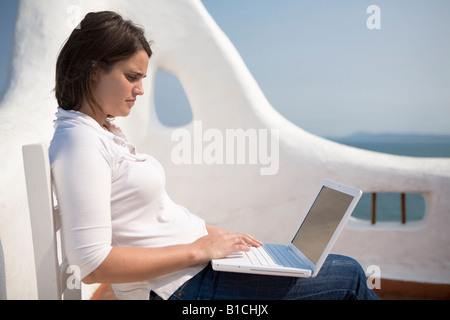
119,224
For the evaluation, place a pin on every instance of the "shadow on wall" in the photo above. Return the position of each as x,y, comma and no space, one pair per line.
2,274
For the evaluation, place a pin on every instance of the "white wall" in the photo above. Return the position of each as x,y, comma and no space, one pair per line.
223,95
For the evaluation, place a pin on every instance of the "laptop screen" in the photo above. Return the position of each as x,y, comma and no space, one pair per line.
321,222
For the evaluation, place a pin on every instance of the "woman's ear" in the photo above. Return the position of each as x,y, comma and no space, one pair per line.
95,75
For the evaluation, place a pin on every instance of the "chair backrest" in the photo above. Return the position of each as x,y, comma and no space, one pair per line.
55,278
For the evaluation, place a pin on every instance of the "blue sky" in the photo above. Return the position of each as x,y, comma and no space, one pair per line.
322,68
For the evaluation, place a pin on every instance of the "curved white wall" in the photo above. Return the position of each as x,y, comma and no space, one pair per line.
223,95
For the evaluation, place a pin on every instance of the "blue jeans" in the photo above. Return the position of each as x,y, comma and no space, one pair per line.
340,278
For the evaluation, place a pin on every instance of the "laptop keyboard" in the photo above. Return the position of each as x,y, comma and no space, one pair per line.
258,256
283,255
273,254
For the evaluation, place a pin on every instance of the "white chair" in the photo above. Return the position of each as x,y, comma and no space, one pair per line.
55,278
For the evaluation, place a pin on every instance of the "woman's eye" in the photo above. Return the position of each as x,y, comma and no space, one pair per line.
131,78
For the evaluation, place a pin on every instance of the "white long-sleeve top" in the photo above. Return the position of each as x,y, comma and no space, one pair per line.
109,195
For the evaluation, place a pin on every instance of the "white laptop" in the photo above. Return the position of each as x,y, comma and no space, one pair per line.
305,254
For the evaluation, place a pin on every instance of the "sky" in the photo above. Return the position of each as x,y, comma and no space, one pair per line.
329,66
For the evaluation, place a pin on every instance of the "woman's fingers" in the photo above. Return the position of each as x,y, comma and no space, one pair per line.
248,239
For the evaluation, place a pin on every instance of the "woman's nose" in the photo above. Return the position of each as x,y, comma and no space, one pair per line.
138,90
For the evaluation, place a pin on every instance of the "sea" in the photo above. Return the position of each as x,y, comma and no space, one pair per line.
388,205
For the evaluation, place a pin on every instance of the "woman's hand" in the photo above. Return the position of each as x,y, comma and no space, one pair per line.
220,243
244,236
250,240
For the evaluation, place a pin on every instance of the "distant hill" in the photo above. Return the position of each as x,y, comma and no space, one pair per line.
415,145
366,137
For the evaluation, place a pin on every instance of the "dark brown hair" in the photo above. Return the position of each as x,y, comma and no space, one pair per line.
101,40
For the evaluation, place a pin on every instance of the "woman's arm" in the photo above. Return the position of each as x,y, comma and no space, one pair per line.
130,264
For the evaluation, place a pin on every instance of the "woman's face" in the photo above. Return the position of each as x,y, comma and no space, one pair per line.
116,90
